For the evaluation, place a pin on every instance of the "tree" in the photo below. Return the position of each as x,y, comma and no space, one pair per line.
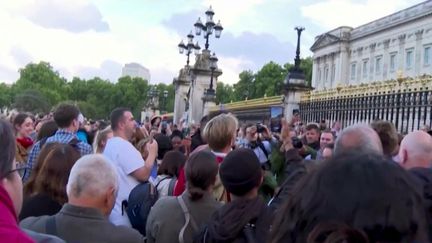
269,80
31,101
244,88
224,93
43,78
5,96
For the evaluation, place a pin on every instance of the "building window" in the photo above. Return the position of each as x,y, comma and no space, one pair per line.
365,68
409,59
392,62
427,56
319,75
353,71
378,65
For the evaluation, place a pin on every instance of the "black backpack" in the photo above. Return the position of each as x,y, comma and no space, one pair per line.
141,200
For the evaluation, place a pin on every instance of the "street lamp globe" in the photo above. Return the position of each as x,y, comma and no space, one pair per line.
181,47
198,26
218,29
213,61
209,13
197,48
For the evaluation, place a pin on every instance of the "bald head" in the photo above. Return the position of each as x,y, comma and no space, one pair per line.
416,150
360,138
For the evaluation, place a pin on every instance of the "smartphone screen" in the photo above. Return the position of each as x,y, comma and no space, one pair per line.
276,115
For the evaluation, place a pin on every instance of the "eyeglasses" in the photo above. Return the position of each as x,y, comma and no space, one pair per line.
20,168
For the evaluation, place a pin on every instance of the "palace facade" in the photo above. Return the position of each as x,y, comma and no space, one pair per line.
396,45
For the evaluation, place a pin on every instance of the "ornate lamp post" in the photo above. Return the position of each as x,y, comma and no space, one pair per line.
189,47
208,27
165,96
153,93
295,83
210,93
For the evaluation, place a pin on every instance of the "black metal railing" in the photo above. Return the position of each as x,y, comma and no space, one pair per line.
408,109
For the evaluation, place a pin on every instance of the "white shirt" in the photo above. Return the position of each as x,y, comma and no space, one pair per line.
126,159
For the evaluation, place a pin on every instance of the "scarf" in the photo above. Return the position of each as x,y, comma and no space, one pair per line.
26,142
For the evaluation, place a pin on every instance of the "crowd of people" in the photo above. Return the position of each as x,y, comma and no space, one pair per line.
67,179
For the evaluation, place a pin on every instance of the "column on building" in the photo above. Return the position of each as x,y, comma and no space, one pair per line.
342,69
401,55
315,72
418,51
372,62
359,59
386,59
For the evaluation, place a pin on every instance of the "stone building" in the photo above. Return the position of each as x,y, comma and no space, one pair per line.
398,44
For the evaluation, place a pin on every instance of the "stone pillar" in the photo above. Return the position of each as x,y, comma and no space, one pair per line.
202,73
401,60
372,62
344,64
418,52
291,103
182,87
385,59
208,104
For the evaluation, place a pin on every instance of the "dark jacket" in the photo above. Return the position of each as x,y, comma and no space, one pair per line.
238,221
196,140
39,205
423,177
81,224
295,170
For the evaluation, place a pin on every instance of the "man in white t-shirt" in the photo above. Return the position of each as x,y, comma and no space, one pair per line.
127,160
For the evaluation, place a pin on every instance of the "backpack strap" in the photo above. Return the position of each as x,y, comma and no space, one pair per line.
171,186
262,147
50,226
157,184
188,218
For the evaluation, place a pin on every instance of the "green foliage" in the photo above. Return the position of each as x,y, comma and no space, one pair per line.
5,96
40,87
224,93
31,101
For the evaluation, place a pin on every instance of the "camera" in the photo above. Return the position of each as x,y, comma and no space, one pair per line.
297,143
260,128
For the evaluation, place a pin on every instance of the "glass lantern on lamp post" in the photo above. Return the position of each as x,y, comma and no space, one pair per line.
209,27
188,48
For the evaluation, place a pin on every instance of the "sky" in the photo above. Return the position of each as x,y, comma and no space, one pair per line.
88,38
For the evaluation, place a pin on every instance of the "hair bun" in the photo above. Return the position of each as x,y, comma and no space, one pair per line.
334,232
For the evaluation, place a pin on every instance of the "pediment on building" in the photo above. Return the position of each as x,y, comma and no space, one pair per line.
325,40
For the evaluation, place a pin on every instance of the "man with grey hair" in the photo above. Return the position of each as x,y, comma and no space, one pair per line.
416,150
91,189
360,138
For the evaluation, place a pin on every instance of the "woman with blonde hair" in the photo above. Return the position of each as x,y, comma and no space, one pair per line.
101,139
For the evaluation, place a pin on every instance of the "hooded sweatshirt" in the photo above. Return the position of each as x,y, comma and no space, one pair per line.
237,221
9,230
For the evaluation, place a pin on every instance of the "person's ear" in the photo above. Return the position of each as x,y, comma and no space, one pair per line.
109,201
403,157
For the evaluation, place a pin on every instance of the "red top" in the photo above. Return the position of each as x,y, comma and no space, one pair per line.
180,185
9,230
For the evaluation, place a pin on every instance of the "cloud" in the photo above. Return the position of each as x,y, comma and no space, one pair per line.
20,56
257,49
57,14
331,14
108,69
8,75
